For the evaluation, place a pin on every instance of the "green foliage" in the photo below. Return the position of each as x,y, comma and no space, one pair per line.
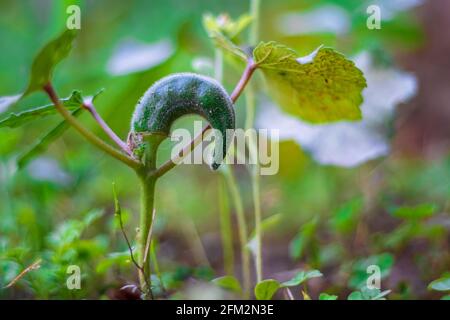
303,239
46,60
345,218
301,277
322,87
368,294
441,284
229,283
265,289
15,120
224,32
424,210
42,144
326,296
359,274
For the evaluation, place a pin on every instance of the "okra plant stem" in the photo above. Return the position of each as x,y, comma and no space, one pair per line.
91,137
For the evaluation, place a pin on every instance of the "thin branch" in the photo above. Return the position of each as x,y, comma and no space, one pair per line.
89,106
171,163
35,265
118,213
48,88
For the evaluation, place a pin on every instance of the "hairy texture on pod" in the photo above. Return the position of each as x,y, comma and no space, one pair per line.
181,94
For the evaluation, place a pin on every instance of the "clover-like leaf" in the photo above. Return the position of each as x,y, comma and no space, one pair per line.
228,283
301,277
15,120
265,289
322,87
441,284
46,60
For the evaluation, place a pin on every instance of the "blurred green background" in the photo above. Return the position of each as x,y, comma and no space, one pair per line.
392,210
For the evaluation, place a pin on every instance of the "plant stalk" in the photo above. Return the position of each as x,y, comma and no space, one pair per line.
252,145
148,184
91,137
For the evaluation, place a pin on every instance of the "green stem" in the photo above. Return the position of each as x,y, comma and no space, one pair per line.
225,229
252,145
255,6
242,228
148,184
86,133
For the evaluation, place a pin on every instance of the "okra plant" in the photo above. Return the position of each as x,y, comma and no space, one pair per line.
318,88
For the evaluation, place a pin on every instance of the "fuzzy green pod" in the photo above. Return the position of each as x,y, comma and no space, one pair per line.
181,94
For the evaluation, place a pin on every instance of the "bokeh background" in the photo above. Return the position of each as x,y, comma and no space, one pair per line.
346,196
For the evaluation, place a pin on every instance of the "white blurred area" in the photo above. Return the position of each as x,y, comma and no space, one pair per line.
345,143
133,56
335,19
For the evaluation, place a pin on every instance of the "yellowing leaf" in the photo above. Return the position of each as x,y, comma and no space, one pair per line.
322,87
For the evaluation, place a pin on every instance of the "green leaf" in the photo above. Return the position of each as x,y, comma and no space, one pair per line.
420,211
368,294
265,289
447,297
222,30
359,274
322,87
46,60
326,296
301,277
441,284
303,239
42,145
345,219
15,120
225,25
228,283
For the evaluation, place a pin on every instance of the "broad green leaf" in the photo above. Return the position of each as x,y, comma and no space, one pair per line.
42,145
222,30
322,87
228,283
420,211
17,119
326,296
447,297
301,277
46,60
441,284
265,289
